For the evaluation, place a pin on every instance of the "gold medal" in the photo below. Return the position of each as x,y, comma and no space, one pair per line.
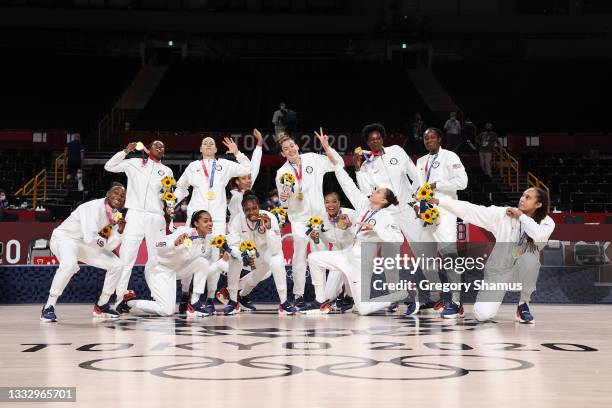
139,146
187,242
210,195
117,216
300,196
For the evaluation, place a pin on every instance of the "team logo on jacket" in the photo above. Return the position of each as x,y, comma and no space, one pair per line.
308,169
435,164
160,172
219,167
393,161
372,221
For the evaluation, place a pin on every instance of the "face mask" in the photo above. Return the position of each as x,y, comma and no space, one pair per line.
183,208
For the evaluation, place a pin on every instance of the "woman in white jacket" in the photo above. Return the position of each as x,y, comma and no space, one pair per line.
375,225
520,233
89,235
183,254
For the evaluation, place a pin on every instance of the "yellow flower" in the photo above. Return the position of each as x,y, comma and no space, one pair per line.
425,192
435,213
315,221
427,217
288,178
282,212
218,241
246,245
168,181
105,232
168,196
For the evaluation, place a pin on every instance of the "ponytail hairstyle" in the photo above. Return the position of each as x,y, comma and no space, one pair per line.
539,214
249,195
196,216
390,197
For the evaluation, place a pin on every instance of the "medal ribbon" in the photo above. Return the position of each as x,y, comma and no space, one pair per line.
364,219
428,167
109,212
298,174
211,178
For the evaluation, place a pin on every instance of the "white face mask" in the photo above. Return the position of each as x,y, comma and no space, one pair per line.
183,207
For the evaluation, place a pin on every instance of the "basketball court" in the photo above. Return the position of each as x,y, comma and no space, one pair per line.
262,359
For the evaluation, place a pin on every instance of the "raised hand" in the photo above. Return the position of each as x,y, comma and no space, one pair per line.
357,161
266,221
346,220
232,147
121,225
323,138
130,147
258,137
365,226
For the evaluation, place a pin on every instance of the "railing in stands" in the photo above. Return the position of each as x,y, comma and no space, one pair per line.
60,162
534,181
509,168
31,187
110,124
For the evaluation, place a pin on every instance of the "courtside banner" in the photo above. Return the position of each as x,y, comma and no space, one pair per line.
16,239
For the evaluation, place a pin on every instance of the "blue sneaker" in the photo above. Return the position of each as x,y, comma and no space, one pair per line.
314,308
48,315
299,303
105,311
523,315
432,307
246,302
347,304
232,308
452,310
123,307
210,307
413,308
287,308
184,304
393,307
197,309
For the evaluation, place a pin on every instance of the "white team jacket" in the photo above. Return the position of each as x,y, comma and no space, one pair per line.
144,181
171,257
389,171
85,223
339,238
504,228
385,228
267,242
447,172
195,176
235,203
314,167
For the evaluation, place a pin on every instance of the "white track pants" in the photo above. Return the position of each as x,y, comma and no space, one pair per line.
347,263
525,270
69,252
139,225
263,266
162,283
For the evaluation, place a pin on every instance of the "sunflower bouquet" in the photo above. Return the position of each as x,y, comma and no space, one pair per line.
220,242
280,214
315,224
248,251
168,184
430,215
288,181
425,193
105,232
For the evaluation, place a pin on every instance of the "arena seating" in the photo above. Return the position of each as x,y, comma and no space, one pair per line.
196,95
61,92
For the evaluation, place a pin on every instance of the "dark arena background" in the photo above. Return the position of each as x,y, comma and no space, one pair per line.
520,89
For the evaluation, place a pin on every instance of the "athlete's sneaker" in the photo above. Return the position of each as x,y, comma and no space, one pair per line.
452,310
246,303
105,311
393,307
210,307
222,295
523,315
184,304
48,315
413,308
232,308
432,307
197,309
347,304
315,307
123,307
287,308
299,303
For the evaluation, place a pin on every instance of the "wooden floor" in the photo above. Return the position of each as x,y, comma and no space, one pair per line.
263,360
